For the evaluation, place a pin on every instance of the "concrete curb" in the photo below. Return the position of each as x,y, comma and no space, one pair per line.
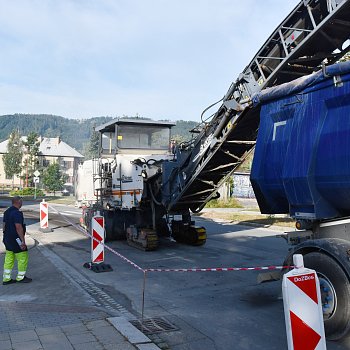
132,334
30,241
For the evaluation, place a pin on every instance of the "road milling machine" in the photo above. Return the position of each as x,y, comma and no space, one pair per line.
129,178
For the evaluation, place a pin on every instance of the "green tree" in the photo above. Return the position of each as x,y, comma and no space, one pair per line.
53,178
92,146
246,166
182,130
13,158
31,162
179,139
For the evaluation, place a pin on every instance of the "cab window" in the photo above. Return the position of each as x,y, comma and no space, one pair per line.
143,137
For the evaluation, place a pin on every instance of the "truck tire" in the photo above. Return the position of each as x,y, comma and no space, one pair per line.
335,293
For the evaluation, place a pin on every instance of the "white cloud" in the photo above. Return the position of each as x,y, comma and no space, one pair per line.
111,57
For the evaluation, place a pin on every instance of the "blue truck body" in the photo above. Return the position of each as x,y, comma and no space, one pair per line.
302,157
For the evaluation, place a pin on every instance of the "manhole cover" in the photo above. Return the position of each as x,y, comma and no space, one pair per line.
154,325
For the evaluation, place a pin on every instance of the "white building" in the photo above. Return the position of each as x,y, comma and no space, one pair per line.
51,150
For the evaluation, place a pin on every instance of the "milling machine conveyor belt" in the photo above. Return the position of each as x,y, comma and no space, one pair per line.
225,153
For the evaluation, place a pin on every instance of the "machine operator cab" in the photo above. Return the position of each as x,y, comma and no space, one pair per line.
134,136
132,152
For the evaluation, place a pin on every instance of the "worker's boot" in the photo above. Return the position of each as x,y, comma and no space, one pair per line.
11,281
25,279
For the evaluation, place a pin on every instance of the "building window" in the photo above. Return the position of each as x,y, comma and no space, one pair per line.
46,163
67,164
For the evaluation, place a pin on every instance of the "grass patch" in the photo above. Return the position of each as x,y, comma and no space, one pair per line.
252,209
266,220
61,200
220,203
51,199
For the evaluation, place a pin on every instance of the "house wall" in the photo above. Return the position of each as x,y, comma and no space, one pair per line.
68,165
242,187
16,181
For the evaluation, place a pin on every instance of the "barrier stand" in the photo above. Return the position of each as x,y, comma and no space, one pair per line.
303,308
97,245
44,217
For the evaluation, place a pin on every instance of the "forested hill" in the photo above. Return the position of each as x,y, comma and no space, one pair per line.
182,128
73,131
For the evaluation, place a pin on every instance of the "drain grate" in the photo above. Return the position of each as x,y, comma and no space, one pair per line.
154,325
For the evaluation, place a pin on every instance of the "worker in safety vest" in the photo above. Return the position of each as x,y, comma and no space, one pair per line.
14,240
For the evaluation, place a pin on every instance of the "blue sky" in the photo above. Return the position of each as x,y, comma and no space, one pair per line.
158,59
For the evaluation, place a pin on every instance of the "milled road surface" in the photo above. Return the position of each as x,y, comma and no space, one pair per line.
210,310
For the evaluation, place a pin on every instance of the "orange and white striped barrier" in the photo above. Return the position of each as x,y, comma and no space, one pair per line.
303,308
97,243
44,215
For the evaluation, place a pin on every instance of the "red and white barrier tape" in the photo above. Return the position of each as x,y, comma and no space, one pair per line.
219,269
215,269
81,229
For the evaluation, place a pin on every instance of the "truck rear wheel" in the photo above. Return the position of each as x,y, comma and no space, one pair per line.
335,294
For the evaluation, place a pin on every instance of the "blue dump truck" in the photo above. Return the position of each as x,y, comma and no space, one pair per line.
301,167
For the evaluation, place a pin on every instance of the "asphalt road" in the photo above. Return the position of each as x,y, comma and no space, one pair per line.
210,310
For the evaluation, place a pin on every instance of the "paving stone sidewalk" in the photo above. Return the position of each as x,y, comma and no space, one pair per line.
52,313
94,335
